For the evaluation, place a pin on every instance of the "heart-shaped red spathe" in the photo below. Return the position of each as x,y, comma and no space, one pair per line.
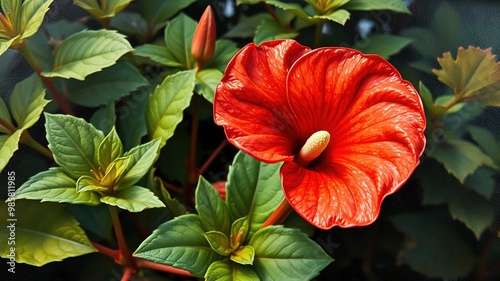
273,97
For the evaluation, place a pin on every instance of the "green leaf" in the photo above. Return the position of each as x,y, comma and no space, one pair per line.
244,255
142,158
253,190
103,10
474,75
44,232
460,157
179,243
464,204
157,54
5,116
224,52
32,14
166,105
486,140
74,143
131,120
8,145
133,199
131,24
212,210
293,8
384,45
206,81
174,207
115,172
104,118
246,26
435,246
369,5
110,84
27,101
158,11
95,219
219,242
178,36
482,181
432,109
287,254
54,185
227,270
5,45
339,16
13,7
271,30
87,52
239,231
109,149
86,184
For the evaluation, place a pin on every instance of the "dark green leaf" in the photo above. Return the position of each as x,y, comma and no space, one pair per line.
369,5
271,30
211,208
435,247
487,141
158,11
166,105
253,190
87,52
287,254
104,118
133,199
131,120
157,54
130,23
54,185
178,36
224,52
384,45
106,86
246,26
74,143
179,243
44,232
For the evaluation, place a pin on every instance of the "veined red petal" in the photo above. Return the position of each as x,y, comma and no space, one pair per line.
376,122
251,103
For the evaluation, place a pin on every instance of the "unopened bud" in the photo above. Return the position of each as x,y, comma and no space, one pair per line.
203,45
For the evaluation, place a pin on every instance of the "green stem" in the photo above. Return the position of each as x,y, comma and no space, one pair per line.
318,34
280,214
28,140
49,83
161,267
125,257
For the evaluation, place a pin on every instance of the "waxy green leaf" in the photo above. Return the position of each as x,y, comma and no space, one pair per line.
74,143
219,242
5,44
8,145
211,208
206,81
106,9
166,105
87,184
226,270
32,14
142,158
27,101
45,232
103,87
244,255
179,243
253,190
339,16
54,185
178,37
157,54
287,254
133,199
474,75
87,52
109,149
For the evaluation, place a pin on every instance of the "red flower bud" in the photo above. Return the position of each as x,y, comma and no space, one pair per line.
203,45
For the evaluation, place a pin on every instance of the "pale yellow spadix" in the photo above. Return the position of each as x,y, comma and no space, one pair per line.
313,147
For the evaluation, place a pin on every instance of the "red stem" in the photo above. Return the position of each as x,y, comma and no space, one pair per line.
125,256
129,271
141,263
212,157
280,214
107,251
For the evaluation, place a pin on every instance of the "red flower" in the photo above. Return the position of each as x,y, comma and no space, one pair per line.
363,125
